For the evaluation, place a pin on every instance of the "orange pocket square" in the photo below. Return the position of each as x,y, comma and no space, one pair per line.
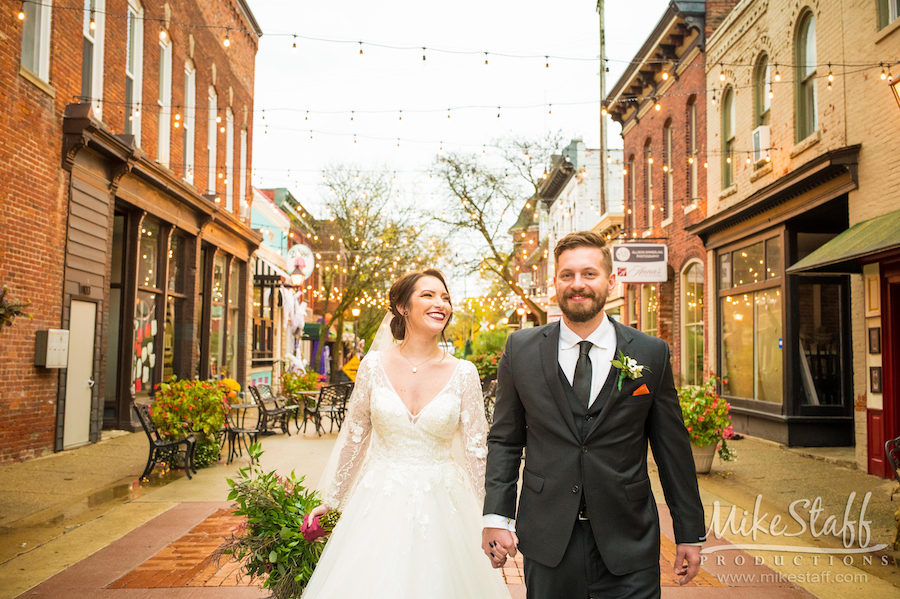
642,390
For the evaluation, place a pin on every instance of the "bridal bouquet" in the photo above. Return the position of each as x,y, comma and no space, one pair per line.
276,543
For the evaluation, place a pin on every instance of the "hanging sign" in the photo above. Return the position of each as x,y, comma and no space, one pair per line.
300,256
640,262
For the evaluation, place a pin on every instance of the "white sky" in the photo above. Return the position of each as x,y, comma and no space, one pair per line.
322,76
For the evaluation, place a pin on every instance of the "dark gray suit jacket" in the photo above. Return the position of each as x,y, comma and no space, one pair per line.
609,466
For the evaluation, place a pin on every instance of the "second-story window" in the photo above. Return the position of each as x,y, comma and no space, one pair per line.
668,187
134,54
648,183
190,119
36,38
728,138
693,157
762,86
807,101
888,11
632,175
92,55
211,132
242,179
165,101
229,160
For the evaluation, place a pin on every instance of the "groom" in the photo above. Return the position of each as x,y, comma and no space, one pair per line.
587,521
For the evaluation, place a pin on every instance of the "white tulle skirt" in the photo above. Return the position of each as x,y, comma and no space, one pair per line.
411,532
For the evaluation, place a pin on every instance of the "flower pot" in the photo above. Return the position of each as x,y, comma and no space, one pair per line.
703,457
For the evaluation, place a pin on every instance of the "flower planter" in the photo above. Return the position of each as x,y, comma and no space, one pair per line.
703,457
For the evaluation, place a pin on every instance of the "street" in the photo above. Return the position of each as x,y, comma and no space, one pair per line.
73,528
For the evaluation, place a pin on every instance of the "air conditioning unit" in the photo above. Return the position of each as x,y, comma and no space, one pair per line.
760,143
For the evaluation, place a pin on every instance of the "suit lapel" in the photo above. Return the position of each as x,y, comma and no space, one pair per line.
550,364
623,339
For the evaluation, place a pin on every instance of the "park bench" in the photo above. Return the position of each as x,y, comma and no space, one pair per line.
160,448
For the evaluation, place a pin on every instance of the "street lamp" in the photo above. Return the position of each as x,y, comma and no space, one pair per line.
297,277
521,312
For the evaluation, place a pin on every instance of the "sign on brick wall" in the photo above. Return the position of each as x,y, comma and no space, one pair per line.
640,262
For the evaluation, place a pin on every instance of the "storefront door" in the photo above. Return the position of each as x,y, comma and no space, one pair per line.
80,374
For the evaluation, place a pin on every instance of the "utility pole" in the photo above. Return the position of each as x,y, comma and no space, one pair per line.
603,150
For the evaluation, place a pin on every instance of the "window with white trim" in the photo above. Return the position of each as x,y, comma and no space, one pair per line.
762,87
211,141
36,38
728,117
648,183
693,158
668,187
134,70
807,98
692,323
650,309
242,179
229,159
190,120
165,101
92,55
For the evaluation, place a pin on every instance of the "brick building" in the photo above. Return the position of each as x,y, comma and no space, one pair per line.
802,222
660,102
125,219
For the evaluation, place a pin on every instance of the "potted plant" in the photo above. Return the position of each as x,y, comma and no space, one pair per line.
294,383
11,308
708,421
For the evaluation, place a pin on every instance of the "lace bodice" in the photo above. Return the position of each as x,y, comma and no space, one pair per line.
377,416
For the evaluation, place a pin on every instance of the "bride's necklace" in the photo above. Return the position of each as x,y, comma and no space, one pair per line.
415,367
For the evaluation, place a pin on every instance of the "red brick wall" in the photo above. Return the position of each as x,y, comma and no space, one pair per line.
34,188
682,246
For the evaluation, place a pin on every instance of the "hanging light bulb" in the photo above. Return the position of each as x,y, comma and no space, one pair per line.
625,171
498,112
360,49
547,64
550,109
351,115
22,11
657,106
690,160
306,118
650,160
883,74
218,119
92,24
604,111
227,41
401,115
830,74
748,160
705,165
295,44
722,72
768,158
771,93
448,113
728,159
222,129
890,76
162,34
665,76
485,58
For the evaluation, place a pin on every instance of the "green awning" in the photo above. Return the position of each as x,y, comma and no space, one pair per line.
311,331
840,255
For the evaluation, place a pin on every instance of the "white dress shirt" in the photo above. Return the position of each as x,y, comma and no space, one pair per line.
601,354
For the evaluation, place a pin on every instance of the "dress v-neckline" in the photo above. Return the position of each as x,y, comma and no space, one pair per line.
390,385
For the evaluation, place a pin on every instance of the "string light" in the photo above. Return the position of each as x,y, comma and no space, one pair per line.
22,11
295,44
657,106
360,49
547,64
777,74
890,77
550,109
162,34
227,41
883,74
830,78
604,111
423,53
722,72
485,59
93,23
665,76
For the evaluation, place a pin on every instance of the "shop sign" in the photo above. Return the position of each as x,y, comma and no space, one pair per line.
300,256
640,262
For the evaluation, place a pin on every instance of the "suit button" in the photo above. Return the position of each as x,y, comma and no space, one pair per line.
583,449
575,489
588,418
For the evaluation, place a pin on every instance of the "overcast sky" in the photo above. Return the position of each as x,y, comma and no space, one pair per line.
331,79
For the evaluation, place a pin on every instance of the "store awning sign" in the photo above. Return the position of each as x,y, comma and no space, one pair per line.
640,262
300,256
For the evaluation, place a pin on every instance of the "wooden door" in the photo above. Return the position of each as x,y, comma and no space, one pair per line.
80,374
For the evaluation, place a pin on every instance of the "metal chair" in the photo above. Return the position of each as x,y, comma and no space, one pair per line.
160,448
271,412
237,432
331,402
490,396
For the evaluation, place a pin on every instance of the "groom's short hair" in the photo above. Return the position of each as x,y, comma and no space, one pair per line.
582,239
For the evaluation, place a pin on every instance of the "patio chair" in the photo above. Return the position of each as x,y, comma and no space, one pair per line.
330,403
238,432
271,412
490,396
161,448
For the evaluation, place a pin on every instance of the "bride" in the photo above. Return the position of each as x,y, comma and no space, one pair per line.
411,516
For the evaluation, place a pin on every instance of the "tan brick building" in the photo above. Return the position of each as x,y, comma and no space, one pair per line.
799,146
661,104
126,162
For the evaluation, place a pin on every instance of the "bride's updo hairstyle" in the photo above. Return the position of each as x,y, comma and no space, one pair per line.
400,294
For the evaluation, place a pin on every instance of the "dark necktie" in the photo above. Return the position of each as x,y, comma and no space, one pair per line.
584,373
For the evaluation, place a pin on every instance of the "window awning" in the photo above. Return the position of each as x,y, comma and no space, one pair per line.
267,272
840,255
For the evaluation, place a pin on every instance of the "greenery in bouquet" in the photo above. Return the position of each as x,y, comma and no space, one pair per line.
485,363
292,383
707,417
185,407
272,545
11,308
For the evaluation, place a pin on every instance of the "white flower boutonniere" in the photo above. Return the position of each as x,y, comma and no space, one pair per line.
628,367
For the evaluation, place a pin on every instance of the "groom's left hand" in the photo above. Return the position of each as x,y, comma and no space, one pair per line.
691,555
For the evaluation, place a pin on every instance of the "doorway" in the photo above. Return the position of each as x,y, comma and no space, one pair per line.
79,374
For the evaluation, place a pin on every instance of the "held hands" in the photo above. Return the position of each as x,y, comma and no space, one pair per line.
691,555
498,544
317,512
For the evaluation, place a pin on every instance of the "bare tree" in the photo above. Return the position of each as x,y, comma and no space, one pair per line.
487,199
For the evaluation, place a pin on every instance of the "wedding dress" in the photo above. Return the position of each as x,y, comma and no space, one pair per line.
411,515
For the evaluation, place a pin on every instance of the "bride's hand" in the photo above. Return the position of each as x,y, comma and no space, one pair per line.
317,512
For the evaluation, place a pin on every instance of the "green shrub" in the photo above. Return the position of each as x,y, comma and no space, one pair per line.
184,407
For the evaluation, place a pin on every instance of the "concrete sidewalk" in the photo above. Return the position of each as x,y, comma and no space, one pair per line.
78,524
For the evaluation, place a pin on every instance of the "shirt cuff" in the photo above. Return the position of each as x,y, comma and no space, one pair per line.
698,544
498,521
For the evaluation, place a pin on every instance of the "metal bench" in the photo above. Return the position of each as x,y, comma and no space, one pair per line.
161,448
331,402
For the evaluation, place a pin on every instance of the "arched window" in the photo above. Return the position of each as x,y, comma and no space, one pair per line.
190,118
693,186
692,323
134,69
668,179
806,103
648,182
728,119
762,87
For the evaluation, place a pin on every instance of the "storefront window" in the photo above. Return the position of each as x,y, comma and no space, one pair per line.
649,310
147,254
692,302
198,340
145,329
632,307
263,325
751,331
176,319
217,317
234,308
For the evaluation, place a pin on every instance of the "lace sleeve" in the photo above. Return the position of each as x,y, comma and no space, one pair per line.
473,426
350,448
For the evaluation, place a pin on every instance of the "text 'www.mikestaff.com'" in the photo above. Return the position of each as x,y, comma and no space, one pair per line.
824,576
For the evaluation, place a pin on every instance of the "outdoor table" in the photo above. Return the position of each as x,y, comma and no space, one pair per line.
298,407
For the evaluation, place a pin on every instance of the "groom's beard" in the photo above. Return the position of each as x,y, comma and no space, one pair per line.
582,312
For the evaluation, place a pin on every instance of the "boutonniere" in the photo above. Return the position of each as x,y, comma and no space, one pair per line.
628,367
